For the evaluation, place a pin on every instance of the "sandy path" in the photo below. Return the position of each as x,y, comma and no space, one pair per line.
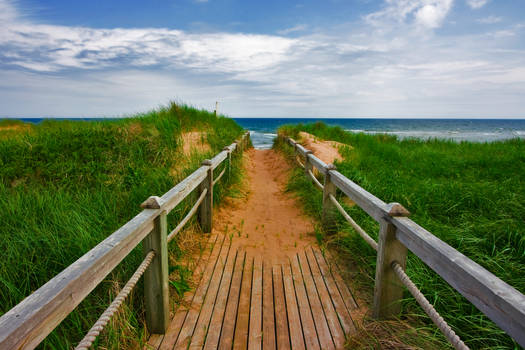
269,221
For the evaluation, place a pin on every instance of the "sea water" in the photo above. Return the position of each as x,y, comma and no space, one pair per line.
264,130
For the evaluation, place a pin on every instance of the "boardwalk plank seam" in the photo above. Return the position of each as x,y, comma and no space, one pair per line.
244,301
190,328
341,310
232,305
324,333
207,307
200,267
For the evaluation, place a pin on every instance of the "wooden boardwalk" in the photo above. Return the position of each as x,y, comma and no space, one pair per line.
247,302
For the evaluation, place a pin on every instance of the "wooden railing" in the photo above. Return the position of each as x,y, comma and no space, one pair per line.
29,322
502,303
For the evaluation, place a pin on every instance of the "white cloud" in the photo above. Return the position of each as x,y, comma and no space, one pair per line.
427,13
54,48
476,4
359,70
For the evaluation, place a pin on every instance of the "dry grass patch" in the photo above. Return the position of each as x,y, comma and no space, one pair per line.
195,141
327,151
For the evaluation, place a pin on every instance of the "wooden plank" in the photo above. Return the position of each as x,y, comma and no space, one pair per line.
154,342
388,289
317,163
177,194
37,315
255,333
332,318
218,159
301,150
320,319
222,272
310,334
214,330
172,334
230,315
156,288
281,320
502,303
30,321
337,298
332,302
240,340
180,315
268,329
347,296
375,207
292,310
193,313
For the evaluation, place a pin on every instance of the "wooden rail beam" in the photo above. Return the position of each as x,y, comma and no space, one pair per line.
502,303
318,163
29,322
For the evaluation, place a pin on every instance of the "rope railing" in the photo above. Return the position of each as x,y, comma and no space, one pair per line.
21,327
188,216
428,308
500,302
98,327
351,221
316,182
219,177
300,163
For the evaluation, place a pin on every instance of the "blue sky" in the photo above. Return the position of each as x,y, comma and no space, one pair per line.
332,58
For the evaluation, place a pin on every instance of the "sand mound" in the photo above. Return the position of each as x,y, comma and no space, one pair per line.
194,141
327,151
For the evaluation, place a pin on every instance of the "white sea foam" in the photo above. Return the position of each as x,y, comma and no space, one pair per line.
447,134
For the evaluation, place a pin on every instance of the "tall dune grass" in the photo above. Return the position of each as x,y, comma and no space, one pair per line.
470,195
67,185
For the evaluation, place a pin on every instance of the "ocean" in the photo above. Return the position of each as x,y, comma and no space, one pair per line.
263,130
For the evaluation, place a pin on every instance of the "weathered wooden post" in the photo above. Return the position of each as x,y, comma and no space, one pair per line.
307,165
206,207
216,108
329,189
156,277
229,165
388,290
247,139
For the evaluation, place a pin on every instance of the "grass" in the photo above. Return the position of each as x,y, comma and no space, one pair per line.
470,195
67,185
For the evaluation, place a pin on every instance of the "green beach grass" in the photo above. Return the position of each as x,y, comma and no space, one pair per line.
67,185
470,195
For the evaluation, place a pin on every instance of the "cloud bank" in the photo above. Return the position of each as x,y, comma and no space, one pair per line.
392,63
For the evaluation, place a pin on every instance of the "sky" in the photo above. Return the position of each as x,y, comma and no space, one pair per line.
330,58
